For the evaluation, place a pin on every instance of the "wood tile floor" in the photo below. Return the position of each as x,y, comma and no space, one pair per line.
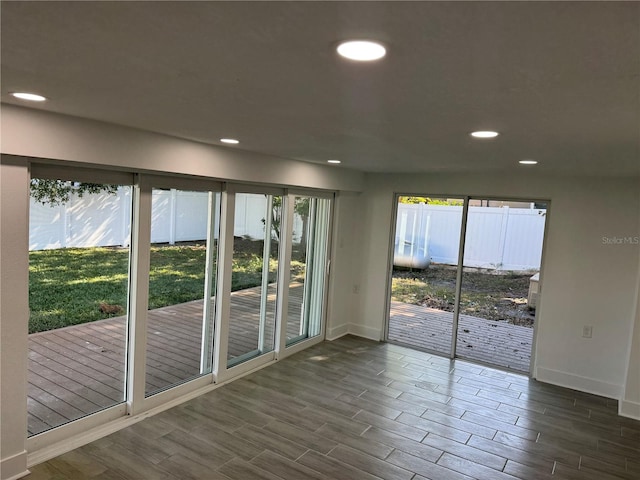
355,409
79,370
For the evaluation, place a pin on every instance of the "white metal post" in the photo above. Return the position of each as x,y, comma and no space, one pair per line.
173,214
266,256
309,274
138,296
208,310
223,288
503,238
284,274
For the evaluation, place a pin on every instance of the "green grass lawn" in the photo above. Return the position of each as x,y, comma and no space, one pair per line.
67,286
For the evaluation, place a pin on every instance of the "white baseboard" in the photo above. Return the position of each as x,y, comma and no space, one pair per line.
367,332
577,382
336,332
629,409
14,467
17,476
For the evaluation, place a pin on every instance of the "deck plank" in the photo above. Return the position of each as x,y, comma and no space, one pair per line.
496,343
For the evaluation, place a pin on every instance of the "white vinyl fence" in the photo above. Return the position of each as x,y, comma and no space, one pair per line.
100,220
93,220
179,216
103,219
499,238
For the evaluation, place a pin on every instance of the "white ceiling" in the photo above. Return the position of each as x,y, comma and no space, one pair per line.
559,80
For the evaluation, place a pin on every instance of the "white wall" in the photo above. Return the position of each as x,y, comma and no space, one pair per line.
343,314
14,318
584,281
39,134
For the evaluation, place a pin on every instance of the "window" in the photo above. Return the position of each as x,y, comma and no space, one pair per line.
182,277
127,311
256,239
309,241
78,296
465,277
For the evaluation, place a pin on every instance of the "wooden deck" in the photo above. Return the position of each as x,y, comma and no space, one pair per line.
79,370
496,343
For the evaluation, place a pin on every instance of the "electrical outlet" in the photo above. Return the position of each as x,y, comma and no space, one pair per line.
587,331
356,288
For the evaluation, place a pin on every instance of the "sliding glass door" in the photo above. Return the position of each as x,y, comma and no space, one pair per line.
308,267
143,288
256,240
182,278
423,280
500,271
465,277
79,233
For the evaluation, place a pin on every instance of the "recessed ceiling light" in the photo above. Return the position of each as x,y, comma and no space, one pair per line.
361,50
484,134
232,141
31,97
334,161
528,162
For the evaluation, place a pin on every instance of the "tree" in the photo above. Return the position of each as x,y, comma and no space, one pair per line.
276,216
58,192
413,200
301,207
429,201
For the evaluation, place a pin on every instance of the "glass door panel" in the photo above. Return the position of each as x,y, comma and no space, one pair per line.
78,287
309,241
427,239
256,239
502,256
184,245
